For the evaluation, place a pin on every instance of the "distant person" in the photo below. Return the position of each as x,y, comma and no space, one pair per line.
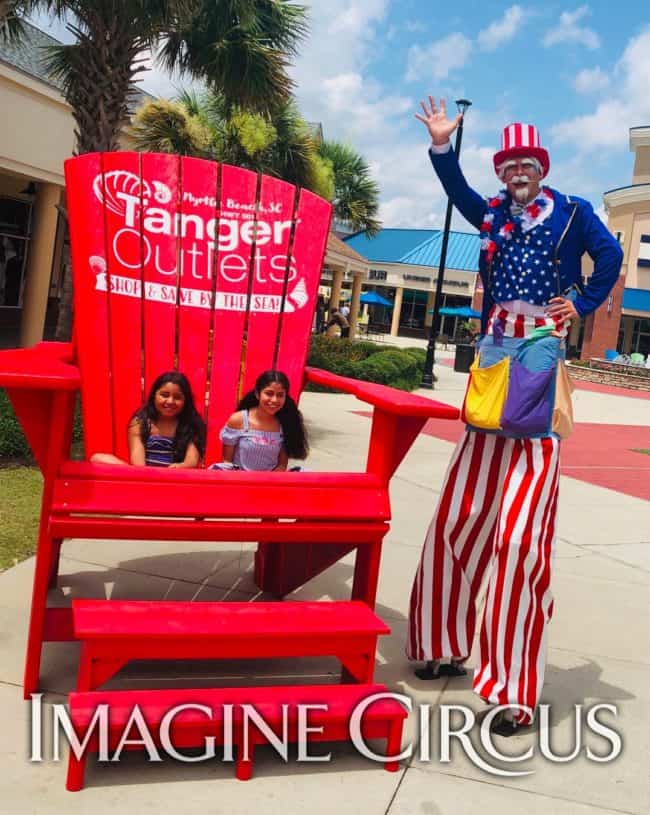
167,431
320,314
345,311
336,318
266,430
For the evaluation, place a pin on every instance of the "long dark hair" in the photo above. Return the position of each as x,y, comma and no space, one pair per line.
190,427
290,418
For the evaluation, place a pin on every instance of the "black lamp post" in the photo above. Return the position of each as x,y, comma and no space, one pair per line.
427,377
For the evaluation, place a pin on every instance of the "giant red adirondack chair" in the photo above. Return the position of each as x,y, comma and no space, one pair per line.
212,270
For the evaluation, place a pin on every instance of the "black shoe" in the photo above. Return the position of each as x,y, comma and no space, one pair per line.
501,726
434,670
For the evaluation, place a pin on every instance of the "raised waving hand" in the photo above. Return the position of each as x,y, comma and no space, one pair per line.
435,119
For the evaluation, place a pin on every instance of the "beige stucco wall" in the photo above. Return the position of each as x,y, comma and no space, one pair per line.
641,173
37,135
456,282
633,220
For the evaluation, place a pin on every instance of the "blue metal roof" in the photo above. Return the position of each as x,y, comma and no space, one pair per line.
418,247
388,245
637,299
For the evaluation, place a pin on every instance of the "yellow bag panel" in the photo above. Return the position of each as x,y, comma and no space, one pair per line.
486,394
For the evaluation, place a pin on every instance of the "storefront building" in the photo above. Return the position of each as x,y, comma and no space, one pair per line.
623,323
37,135
404,269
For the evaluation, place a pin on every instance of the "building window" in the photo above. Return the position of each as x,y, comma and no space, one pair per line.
644,252
15,231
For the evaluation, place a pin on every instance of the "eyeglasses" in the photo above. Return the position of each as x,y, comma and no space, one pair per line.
520,168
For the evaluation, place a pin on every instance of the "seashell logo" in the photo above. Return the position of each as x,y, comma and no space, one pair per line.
297,298
112,187
163,194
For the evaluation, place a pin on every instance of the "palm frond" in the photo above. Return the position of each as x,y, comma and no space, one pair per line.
161,126
356,199
241,48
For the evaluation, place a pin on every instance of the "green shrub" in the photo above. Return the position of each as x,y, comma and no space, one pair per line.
368,361
395,367
13,443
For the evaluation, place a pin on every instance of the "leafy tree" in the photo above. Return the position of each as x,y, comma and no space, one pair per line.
356,197
278,144
240,48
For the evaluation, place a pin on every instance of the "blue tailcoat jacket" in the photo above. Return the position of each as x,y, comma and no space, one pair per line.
585,233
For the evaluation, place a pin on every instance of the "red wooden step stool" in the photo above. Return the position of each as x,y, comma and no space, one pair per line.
277,706
114,632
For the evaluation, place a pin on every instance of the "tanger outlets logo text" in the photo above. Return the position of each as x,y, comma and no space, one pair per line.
593,737
209,242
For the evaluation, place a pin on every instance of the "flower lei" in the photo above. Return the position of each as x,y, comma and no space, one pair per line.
491,241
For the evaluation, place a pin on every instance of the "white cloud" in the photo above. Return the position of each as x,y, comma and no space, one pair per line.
500,31
608,125
567,30
590,80
439,58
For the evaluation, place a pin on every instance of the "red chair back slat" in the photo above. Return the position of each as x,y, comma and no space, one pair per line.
123,197
184,264
87,235
312,227
234,260
273,230
199,217
160,262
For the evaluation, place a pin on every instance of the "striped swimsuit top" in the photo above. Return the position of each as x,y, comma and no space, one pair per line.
159,451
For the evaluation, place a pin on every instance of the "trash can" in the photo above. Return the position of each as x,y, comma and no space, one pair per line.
464,358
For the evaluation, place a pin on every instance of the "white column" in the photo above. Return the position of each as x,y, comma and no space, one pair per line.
39,264
335,296
354,304
397,308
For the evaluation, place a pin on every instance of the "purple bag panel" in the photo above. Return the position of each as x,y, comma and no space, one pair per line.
527,410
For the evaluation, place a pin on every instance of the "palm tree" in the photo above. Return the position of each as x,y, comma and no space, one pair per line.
278,144
161,126
239,47
356,198
11,11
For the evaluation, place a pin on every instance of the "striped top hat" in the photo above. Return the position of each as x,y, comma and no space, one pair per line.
521,141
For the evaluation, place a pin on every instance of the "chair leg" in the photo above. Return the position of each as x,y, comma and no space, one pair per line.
394,744
54,567
76,771
366,572
244,767
37,614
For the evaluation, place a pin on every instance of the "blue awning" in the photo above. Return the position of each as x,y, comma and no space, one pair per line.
637,300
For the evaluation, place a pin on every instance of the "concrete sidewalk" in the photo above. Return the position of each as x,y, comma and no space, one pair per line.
598,654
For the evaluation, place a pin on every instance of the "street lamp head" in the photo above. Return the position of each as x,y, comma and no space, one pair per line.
462,105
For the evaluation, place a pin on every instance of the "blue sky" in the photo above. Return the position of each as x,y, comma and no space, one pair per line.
579,71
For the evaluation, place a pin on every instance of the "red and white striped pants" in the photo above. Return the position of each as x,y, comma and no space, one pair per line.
495,520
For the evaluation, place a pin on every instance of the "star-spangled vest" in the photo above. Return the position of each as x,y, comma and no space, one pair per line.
523,269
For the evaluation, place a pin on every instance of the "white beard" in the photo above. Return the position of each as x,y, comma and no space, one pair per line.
522,194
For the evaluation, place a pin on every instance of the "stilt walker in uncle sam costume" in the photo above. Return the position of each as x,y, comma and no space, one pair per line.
495,520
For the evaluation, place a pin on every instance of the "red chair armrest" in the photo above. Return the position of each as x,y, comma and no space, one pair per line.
391,400
59,350
42,367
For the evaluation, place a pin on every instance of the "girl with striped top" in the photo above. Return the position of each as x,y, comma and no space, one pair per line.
167,431
266,430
